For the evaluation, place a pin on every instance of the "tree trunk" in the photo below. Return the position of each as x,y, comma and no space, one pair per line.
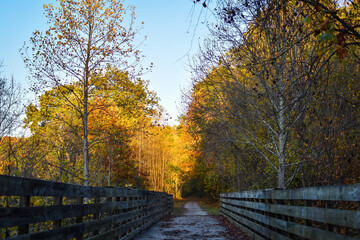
87,75
109,171
162,171
176,187
282,144
86,146
281,173
140,148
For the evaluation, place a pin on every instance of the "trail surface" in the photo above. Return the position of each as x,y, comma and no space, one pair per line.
194,223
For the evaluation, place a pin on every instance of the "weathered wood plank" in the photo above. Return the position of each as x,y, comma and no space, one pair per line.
145,224
24,202
346,218
291,227
15,186
137,224
72,231
57,201
254,226
135,208
25,215
324,193
112,220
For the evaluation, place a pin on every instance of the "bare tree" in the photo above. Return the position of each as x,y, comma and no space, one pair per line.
333,22
260,76
10,104
11,109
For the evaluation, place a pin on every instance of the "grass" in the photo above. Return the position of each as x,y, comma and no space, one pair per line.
178,206
210,206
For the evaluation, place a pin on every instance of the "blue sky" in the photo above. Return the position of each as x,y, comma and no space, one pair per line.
168,27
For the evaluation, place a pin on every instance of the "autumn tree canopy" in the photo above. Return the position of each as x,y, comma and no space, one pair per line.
84,38
274,101
255,80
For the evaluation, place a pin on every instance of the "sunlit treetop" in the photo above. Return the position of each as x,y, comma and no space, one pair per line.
84,36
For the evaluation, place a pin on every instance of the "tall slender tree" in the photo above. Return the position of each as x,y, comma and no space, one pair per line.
83,39
11,100
260,79
10,104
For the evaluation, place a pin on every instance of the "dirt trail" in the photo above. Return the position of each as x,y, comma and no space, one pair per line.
193,208
193,224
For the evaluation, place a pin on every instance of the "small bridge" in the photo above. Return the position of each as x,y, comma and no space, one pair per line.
36,209
192,223
326,212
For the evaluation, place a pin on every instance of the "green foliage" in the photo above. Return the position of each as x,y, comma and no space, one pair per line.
324,37
178,206
209,207
119,105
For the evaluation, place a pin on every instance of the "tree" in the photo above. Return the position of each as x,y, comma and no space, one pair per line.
10,104
56,130
84,37
331,127
260,76
332,21
224,161
120,105
11,109
269,72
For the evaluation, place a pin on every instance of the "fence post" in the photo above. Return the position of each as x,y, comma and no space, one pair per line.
24,202
79,219
68,213
58,201
307,204
96,215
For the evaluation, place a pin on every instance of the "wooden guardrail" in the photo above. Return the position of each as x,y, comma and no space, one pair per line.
329,212
36,209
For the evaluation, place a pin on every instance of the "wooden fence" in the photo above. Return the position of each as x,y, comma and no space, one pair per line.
330,212
36,209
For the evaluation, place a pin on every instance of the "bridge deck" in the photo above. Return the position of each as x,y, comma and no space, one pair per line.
194,223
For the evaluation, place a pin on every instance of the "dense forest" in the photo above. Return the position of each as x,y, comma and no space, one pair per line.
274,101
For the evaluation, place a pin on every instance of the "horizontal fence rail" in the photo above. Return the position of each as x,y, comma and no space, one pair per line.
37,209
329,212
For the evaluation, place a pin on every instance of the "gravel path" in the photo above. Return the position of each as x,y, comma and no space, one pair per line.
193,208
193,224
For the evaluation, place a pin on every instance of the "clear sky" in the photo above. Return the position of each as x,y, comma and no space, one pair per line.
169,27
